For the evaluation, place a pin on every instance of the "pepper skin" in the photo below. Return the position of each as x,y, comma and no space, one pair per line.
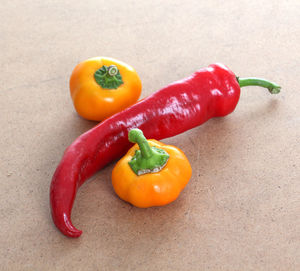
157,187
209,92
97,94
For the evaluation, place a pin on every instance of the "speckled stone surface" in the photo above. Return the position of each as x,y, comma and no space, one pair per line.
241,209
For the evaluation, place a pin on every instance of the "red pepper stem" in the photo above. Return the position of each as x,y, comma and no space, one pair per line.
253,81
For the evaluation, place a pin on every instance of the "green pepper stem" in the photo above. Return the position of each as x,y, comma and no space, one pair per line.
137,136
147,159
108,77
252,81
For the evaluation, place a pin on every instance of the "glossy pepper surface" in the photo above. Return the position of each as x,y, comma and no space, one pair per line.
101,87
209,92
151,173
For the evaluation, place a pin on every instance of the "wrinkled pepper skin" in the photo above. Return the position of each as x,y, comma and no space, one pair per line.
152,189
209,92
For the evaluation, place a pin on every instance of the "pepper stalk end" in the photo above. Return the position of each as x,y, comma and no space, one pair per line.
253,81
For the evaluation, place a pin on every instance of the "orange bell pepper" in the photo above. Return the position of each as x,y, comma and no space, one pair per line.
101,87
151,173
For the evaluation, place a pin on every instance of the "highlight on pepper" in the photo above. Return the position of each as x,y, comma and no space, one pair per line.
151,173
101,87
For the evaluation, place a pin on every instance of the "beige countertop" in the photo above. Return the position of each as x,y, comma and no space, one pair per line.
241,208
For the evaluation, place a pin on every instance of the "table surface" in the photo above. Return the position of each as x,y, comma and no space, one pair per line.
240,210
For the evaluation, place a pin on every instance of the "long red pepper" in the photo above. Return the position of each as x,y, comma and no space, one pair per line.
210,92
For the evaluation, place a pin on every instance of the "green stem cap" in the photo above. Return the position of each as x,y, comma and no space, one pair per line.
147,159
252,81
108,77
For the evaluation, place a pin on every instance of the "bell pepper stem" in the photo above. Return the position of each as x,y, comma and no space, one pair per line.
253,81
108,77
147,159
137,136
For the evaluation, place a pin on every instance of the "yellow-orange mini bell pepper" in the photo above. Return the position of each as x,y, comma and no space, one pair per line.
151,173
101,87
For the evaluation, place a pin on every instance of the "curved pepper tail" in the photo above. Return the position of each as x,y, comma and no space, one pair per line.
62,219
64,224
62,194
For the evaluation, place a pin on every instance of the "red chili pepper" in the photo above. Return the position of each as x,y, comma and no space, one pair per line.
210,92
